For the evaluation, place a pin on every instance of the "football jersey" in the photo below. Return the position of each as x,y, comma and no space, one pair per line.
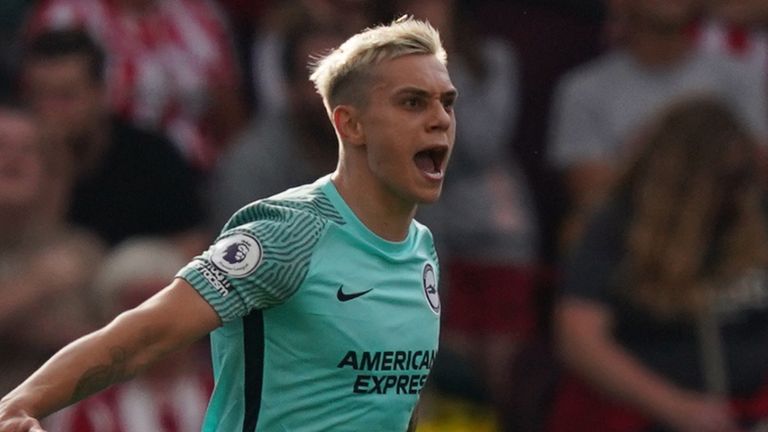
327,326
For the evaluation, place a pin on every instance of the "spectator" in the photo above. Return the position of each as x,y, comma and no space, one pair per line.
172,395
485,221
171,66
41,258
599,107
271,86
663,317
297,136
127,181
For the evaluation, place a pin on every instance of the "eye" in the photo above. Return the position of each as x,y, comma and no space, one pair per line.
449,102
413,102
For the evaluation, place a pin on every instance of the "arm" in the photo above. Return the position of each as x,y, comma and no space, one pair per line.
587,184
583,331
170,320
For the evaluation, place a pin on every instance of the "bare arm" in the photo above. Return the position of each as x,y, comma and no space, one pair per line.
587,184
583,332
172,319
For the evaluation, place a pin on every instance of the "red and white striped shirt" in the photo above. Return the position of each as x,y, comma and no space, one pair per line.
162,65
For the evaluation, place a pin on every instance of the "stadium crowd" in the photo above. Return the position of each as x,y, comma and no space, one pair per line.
130,130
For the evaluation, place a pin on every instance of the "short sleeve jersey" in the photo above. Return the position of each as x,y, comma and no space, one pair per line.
327,327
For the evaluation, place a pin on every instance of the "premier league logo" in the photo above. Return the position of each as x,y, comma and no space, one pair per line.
237,254
429,283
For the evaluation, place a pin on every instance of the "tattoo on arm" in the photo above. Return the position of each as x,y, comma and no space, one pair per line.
100,377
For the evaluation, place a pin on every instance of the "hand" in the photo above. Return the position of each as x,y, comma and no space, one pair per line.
14,420
697,413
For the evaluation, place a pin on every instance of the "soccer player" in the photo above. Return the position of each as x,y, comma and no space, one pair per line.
321,301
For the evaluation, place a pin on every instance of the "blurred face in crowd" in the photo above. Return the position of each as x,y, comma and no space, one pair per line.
65,95
21,159
351,15
305,102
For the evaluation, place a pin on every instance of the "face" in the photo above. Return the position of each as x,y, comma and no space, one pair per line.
21,163
65,96
409,127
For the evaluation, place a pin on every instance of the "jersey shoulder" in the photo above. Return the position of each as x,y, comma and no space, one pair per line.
293,208
263,253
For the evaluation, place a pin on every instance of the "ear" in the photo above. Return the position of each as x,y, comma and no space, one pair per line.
346,120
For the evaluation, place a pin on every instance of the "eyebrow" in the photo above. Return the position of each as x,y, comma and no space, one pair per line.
419,92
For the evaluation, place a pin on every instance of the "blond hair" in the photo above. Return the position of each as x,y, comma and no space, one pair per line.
338,76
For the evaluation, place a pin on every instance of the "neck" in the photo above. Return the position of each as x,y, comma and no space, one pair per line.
654,48
93,146
387,215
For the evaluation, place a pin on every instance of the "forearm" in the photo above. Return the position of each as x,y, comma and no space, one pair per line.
170,320
612,370
88,365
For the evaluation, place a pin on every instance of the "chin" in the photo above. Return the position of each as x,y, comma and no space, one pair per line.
429,197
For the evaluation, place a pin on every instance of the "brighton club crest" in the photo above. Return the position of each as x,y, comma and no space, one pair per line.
429,283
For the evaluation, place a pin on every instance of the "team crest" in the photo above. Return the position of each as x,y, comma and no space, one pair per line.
237,255
429,283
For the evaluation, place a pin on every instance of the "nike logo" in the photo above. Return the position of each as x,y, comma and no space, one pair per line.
343,297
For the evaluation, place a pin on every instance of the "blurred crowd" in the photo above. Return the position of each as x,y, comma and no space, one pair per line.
603,228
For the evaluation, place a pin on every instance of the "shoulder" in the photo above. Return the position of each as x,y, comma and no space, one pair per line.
589,76
422,231
143,143
729,67
295,209
499,50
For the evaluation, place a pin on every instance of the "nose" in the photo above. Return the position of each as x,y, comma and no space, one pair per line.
441,116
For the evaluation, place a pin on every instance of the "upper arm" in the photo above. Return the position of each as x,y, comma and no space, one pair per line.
184,309
173,318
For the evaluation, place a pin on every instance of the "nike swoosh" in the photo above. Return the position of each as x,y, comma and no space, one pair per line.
343,297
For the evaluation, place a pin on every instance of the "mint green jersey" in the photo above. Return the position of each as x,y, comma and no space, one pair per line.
327,327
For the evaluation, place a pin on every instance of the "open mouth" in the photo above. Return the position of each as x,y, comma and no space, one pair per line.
431,160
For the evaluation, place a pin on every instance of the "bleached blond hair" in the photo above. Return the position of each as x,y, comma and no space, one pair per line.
339,76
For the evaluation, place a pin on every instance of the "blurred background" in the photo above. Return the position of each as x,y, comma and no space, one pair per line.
130,130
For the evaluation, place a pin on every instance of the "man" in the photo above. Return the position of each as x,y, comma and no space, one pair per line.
329,322
296,135
41,256
126,181
172,66
600,108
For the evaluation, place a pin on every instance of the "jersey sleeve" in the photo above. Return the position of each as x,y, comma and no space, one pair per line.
258,264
